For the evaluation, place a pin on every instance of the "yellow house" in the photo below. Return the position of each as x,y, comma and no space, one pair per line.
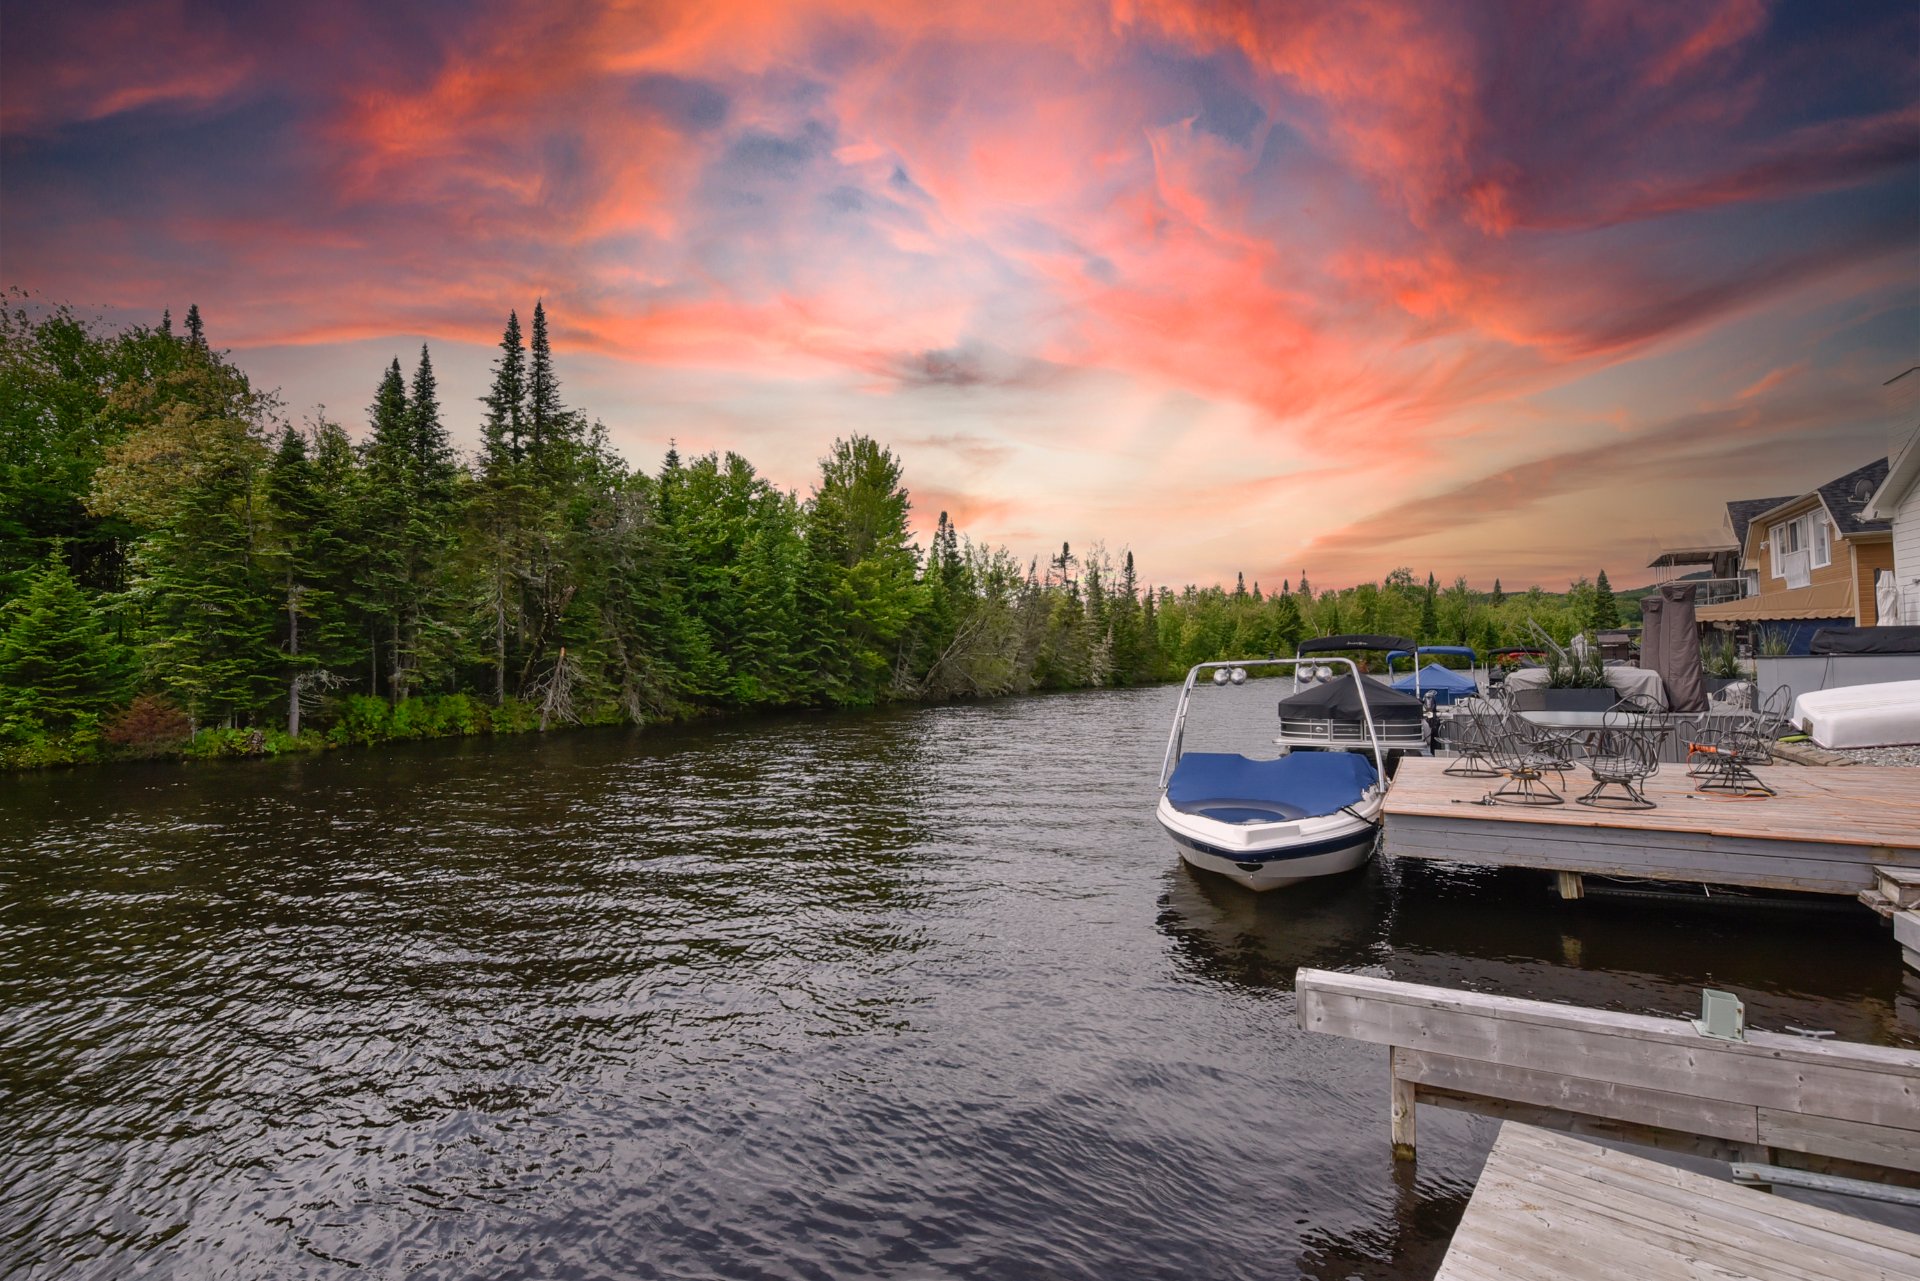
1810,561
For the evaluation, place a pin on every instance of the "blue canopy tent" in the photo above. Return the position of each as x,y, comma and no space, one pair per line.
1444,683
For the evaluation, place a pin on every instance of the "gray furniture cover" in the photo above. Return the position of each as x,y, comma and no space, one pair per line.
1670,645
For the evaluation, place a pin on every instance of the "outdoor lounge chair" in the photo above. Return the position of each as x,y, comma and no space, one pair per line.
1470,733
1625,754
1525,766
1719,746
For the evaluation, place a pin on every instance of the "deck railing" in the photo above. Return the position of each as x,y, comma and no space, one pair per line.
1716,591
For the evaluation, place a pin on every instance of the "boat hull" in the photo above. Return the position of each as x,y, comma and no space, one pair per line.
1266,860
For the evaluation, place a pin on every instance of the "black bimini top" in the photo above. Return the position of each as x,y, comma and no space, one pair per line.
1339,700
1327,644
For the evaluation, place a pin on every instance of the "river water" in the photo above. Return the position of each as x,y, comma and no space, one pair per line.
912,994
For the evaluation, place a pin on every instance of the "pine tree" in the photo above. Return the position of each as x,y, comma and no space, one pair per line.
1606,610
384,590
166,321
58,663
547,419
196,332
201,578
313,562
1499,597
504,432
861,567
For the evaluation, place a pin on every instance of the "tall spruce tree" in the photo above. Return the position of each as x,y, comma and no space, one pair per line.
1606,610
549,425
504,432
386,515
313,565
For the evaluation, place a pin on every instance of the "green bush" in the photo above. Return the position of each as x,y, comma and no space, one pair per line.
514,717
362,721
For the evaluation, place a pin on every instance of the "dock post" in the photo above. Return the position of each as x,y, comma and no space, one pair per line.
1572,885
1403,1110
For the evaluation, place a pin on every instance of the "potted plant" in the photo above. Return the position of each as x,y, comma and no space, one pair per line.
1574,684
1722,663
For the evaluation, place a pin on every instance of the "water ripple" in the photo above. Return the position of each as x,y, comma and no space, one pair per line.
908,994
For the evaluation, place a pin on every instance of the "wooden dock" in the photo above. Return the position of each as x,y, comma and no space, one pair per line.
1826,831
1550,1206
1785,1100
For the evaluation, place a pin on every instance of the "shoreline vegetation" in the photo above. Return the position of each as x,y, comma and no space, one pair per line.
184,572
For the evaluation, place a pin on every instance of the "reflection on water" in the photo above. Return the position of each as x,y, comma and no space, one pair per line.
912,993
1257,941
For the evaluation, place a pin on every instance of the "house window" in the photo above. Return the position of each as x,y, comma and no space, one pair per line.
1786,540
1822,539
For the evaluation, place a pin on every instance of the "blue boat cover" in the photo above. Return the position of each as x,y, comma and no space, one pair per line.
1443,681
1234,789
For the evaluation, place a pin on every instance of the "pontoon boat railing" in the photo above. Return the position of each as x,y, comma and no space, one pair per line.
1174,740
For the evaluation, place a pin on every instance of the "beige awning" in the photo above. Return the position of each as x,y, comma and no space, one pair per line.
1821,600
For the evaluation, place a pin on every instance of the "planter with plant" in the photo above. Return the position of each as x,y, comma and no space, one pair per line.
1574,684
1722,662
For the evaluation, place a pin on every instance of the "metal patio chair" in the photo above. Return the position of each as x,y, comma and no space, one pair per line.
1771,719
1524,766
1560,747
1470,732
1624,755
1720,745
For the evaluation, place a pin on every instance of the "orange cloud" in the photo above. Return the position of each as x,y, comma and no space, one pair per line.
1380,250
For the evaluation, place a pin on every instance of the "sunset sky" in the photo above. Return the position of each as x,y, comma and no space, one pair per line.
1506,291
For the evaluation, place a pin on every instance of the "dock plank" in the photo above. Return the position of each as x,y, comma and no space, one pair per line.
1828,831
1548,1205
1867,805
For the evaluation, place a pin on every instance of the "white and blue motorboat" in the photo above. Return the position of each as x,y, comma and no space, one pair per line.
1266,823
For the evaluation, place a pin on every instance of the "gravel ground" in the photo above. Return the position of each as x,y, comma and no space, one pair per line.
1882,755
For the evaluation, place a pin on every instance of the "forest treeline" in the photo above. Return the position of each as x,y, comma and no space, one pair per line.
182,569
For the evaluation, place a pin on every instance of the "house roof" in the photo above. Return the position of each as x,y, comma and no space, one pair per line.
1742,510
1673,557
1847,497
1903,471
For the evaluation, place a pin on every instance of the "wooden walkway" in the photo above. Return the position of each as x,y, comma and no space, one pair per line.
1826,831
1822,1104
1548,1205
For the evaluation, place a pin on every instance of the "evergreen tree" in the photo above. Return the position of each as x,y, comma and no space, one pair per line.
1429,617
504,432
1606,610
861,568
200,580
1499,597
58,663
384,589
547,419
196,332
313,563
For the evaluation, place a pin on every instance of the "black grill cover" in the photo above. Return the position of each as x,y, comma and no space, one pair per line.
1328,643
1866,640
1338,700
